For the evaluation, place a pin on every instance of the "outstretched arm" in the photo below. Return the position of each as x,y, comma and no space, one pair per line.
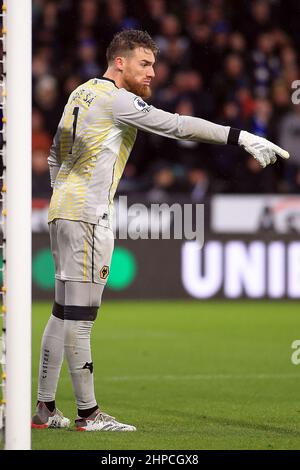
130,109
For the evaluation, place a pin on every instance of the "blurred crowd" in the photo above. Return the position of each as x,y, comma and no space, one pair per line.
233,62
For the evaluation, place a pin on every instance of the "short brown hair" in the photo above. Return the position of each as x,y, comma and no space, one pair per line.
127,41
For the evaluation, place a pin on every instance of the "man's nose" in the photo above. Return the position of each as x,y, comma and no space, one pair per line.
151,72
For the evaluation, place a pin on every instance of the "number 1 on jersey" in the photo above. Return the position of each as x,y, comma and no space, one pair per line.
75,114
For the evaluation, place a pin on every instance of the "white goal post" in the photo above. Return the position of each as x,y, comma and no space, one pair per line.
17,28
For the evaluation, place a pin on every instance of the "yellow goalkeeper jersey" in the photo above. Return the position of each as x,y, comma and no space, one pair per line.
93,142
90,152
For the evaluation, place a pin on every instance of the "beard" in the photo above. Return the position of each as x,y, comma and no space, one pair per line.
144,91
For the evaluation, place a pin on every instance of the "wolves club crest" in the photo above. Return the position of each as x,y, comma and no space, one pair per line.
104,272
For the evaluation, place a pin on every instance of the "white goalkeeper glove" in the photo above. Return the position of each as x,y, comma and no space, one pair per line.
261,149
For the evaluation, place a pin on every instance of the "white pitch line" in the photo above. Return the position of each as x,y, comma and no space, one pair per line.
142,378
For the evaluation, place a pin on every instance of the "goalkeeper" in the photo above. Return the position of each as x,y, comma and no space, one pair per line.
90,149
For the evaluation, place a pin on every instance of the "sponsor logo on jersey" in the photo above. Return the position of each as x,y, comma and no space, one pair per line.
104,272
140,105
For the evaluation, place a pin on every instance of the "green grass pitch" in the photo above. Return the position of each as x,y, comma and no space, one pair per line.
189,375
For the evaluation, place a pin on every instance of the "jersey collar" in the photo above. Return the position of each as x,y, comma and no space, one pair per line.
109,80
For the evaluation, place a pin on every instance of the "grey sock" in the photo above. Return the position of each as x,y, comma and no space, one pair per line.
78,354
52,353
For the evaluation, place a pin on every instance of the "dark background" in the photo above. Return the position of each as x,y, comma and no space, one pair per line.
232,62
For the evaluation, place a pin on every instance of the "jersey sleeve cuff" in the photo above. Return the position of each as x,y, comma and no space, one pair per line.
233,136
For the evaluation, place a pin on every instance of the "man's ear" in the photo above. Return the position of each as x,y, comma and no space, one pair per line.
119,63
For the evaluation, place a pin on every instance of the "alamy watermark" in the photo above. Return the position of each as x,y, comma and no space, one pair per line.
158,221
296,93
